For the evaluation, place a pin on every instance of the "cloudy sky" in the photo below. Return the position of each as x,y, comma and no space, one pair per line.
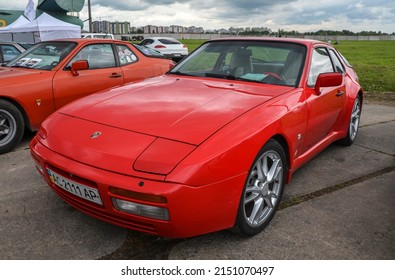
300,15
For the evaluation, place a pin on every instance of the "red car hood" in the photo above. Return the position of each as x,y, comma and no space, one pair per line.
188,110
6,72
149,126
11,76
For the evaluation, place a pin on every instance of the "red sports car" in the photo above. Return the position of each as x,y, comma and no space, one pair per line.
206,147
53,73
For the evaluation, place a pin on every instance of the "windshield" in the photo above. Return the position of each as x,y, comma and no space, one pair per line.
43,56
147,51
267,62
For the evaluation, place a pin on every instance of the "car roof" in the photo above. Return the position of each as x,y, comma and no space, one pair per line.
301,41
83,40
157,38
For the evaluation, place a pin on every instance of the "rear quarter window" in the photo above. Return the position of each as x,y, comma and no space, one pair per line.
345,60
169,42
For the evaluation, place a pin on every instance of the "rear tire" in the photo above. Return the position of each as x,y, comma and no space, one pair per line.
263,189
11,126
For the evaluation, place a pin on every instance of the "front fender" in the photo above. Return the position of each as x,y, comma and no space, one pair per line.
232,150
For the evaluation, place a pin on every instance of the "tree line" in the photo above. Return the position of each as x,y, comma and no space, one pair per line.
282,32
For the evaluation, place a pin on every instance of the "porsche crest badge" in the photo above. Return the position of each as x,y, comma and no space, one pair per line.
95,135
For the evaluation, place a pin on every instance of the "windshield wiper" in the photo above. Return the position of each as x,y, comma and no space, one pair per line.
222,76
181,73
232,77
18,66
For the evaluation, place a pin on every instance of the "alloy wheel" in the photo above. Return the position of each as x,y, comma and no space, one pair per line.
262,192
7,127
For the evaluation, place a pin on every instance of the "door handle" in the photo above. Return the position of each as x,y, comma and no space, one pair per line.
339,93
115,75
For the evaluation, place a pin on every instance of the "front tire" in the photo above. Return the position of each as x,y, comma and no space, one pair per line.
353,123
11,126
263,189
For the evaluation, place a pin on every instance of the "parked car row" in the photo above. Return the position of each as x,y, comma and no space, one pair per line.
208,146
9,50
53,73
169,47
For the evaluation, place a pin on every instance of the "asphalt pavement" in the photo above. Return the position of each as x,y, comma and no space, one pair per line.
341,205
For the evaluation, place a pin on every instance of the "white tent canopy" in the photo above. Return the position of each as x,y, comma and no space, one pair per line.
6,34
19,21
43,28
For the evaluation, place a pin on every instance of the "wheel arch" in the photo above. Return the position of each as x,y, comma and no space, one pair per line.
361,96
283,142
243,224
20,108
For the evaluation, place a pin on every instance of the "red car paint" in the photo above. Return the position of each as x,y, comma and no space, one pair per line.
190,141
37,92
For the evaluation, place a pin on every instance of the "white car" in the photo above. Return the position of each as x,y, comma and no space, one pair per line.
97,35
169,47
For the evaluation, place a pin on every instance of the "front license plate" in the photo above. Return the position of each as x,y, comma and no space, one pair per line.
75,188
177,54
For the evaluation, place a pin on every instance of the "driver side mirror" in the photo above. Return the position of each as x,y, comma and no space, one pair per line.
328,80
79,65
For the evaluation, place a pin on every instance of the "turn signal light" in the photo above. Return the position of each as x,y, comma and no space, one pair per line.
138,196
149,211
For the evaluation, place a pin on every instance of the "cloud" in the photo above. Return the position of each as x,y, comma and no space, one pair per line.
301,15
133,5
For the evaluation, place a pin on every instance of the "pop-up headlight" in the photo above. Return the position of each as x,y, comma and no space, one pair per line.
162,156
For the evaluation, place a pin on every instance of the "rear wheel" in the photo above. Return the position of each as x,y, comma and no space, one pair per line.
263,189
353,124
11,126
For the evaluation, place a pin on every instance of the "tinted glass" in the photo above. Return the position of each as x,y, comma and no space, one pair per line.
336,62
254,61
321,63
169,42
146,42
345,60
97,55
148,52
43,56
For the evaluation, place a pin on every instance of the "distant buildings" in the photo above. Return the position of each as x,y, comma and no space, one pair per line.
119,28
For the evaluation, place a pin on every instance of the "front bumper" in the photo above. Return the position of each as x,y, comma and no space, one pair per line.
191,210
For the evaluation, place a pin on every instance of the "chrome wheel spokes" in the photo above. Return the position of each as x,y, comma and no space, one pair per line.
7,127
355,116
4,128
262,192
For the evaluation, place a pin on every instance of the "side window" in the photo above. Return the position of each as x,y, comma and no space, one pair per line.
336,62
97,55
320,63
126,56
146,42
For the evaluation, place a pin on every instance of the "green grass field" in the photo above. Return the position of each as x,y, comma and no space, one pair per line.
374,62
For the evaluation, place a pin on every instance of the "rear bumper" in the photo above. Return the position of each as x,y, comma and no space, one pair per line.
192,210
